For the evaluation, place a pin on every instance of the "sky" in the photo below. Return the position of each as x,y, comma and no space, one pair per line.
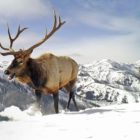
94,29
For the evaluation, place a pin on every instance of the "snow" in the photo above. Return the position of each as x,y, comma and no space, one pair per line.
104,82
110,81
117,122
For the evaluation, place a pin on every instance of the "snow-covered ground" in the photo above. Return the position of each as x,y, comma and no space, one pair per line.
116,122
100,83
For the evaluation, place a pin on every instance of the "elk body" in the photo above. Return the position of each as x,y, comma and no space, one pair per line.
46,74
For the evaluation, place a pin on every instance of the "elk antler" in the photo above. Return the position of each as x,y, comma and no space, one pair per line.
57,24
17,35
48,35
10,50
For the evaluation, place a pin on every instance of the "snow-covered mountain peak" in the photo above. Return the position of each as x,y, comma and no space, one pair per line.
109,80
100,82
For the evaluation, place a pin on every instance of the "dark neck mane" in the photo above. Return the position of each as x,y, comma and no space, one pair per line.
36,73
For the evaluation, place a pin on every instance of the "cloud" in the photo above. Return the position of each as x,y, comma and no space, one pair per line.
117,29
101,20
123,48
24,9
119,48
114,7
110,15
120,19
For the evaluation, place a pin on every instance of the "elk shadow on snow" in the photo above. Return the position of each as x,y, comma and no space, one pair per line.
4,118
101,111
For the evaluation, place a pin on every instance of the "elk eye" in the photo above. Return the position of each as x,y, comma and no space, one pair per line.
20,62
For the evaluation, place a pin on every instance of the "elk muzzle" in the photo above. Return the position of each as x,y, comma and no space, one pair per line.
10,75
6,72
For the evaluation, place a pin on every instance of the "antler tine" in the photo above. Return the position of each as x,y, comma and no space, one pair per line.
17,35
8,53
60,21
55,21
10,50
6,49
55,27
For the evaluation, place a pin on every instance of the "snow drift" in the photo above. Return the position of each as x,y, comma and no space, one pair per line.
96,124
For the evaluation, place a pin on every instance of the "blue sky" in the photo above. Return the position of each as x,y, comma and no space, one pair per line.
94,29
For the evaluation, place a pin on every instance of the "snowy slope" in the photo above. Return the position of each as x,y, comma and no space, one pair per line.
17,94
99,83
102,82
109,81
121,122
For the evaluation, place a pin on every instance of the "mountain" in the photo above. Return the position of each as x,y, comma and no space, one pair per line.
108,82
99,83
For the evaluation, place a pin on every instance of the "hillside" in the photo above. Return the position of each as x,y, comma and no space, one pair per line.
99,83
107,81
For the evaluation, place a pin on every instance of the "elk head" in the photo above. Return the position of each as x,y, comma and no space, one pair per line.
21,57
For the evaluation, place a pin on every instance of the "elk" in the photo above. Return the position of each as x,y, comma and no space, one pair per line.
45,74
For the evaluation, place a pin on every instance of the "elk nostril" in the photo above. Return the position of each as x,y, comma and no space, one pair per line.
6,72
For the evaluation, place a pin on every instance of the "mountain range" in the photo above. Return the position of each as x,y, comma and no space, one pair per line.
99,83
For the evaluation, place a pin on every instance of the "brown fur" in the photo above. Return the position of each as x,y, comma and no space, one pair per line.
47,73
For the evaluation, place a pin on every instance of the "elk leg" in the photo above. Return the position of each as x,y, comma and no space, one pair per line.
68,104
70,87
38,95
56,100
72,96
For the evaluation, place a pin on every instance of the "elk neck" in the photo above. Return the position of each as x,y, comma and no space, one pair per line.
35,72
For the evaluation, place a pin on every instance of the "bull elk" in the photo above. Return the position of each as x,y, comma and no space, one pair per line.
46,74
